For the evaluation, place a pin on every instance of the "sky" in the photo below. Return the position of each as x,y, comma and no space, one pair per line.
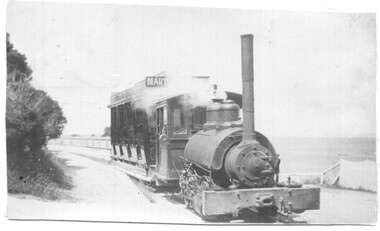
315,73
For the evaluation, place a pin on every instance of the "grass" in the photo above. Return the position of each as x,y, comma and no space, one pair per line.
39,174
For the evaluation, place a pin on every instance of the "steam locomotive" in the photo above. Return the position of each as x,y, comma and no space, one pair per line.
220,162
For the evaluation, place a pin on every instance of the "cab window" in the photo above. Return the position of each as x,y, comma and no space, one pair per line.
162,123
198,119
179,122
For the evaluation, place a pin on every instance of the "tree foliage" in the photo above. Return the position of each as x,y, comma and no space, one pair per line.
107,132
32,117
17,68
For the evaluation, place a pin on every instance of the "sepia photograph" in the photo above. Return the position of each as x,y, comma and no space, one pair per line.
190,115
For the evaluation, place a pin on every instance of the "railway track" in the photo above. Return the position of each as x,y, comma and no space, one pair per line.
145,189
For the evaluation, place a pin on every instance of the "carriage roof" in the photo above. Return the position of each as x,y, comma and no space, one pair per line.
140,93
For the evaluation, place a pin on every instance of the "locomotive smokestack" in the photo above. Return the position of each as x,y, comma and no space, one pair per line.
248,95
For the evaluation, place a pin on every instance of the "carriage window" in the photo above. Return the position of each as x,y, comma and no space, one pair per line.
179,123
121,120
140,121
129,130
114,125
140,125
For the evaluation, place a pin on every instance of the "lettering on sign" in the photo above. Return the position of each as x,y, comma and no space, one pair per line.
155,81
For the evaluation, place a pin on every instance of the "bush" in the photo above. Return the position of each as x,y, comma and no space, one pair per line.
41,175
32,118
107,132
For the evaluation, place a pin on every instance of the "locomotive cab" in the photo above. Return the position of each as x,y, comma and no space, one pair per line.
177,121
172,134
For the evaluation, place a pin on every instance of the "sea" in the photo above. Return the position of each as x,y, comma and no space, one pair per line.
313,155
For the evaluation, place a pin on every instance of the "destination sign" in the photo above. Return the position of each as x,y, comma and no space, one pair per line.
155,81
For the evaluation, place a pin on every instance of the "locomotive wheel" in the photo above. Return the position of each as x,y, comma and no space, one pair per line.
217,218
205,185
205,182
188,203
298,211
270,211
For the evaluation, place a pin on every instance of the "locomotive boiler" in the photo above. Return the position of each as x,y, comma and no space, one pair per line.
230,166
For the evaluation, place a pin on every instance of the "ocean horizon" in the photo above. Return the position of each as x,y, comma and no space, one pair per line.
315,154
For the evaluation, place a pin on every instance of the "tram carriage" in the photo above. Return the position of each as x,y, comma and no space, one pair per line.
148,138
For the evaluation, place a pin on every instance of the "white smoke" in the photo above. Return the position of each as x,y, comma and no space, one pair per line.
198,91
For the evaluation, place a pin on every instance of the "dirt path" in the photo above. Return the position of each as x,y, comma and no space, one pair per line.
103,193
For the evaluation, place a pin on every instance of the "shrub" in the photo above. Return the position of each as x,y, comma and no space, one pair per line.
43,176
32,117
